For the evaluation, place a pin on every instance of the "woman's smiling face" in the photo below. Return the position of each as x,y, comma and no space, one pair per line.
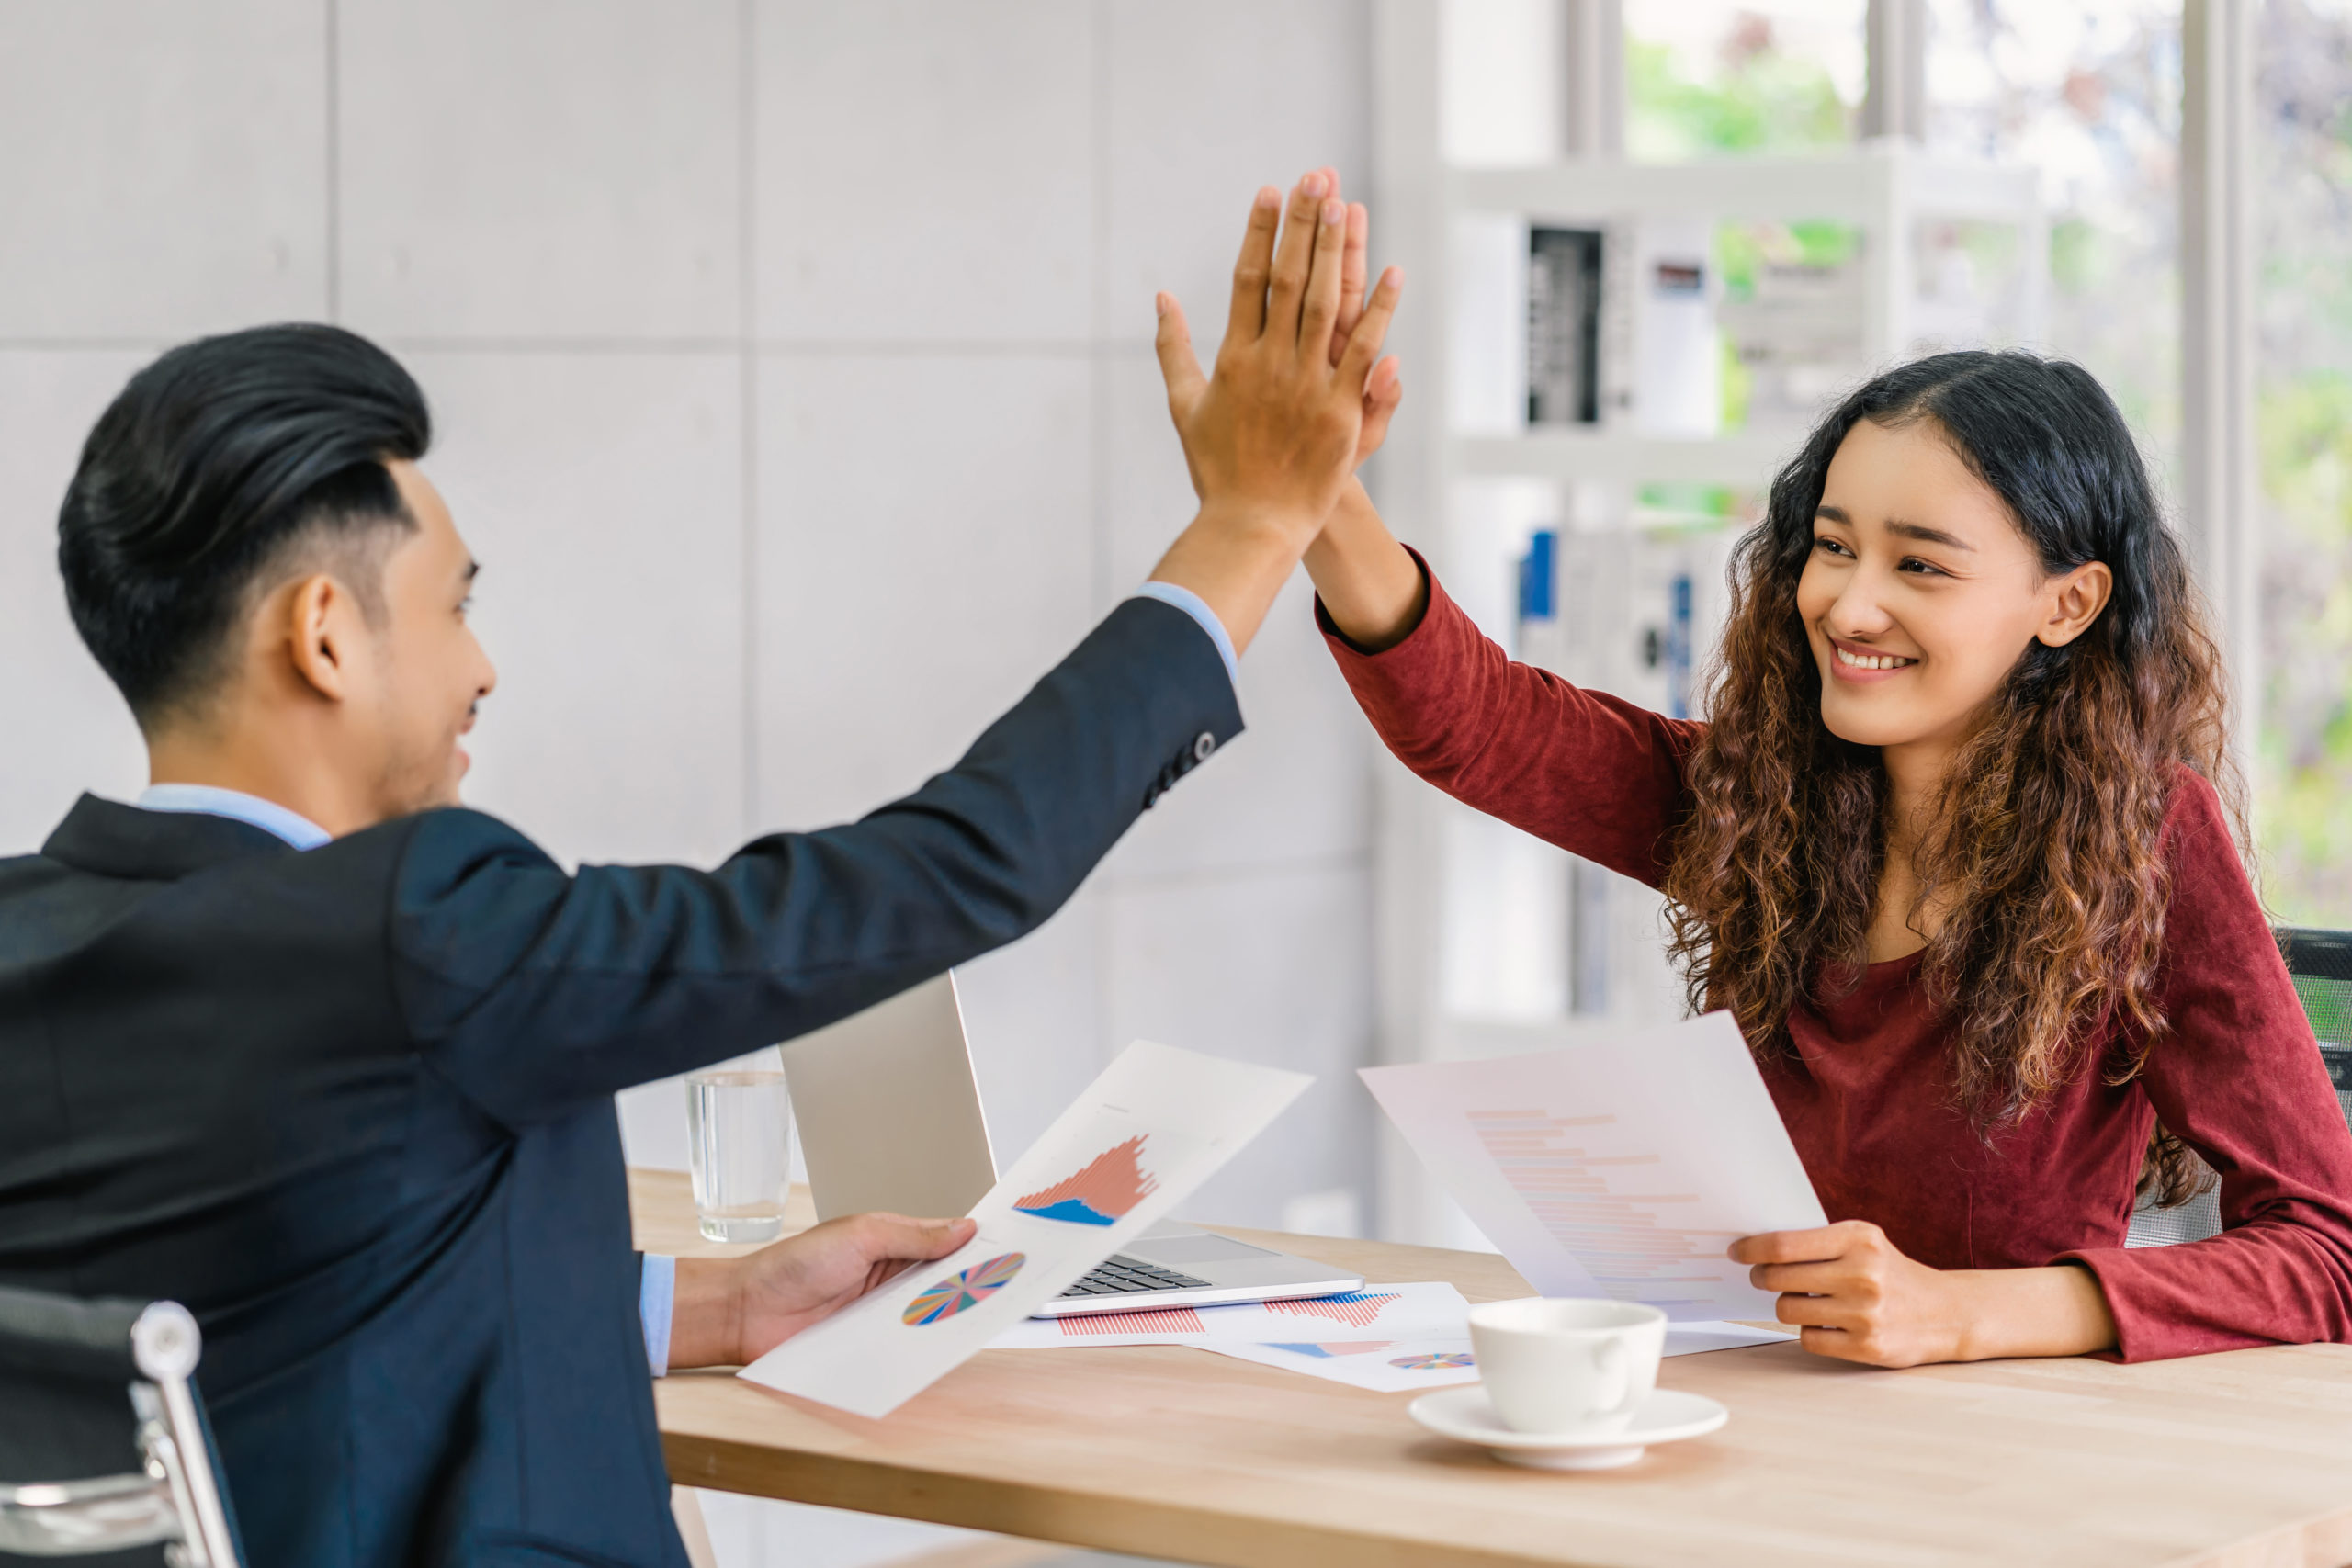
1920,593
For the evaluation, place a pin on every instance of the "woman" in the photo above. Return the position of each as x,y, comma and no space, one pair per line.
1955,848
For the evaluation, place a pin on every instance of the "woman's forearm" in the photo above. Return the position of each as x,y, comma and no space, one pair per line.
2057,1311
1371,587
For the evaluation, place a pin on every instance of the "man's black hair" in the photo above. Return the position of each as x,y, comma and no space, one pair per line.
206,472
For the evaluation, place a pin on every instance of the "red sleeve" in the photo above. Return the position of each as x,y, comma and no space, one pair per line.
1593,773
2241,1080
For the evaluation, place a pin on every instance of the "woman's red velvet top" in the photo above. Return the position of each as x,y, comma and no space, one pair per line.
1867,1094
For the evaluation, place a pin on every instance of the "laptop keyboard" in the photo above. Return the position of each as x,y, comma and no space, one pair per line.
1122,1274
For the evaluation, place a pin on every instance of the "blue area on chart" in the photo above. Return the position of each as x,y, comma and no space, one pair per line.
1071,1210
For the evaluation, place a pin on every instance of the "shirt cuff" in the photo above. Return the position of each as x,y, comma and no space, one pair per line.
657,1292
1198,608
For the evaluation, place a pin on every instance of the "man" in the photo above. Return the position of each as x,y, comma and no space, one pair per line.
300,1043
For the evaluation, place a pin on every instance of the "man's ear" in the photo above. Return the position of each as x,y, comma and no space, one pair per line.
322,634
2076,600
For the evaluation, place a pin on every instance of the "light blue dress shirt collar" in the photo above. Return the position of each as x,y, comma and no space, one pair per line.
267,815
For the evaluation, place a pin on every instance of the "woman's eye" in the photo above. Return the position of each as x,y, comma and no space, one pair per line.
1924,568
1832,545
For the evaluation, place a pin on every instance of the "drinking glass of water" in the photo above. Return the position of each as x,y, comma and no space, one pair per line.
739,1128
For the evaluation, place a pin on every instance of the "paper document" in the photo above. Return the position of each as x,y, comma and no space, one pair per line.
1388,1338
1393,1366
1621,1170
1153,1127
1374,1311
1384,1365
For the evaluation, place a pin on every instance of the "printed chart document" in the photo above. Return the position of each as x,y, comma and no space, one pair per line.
1384,1365
1383,1338
1432,1361
1153,1127
1388,1338
1390,1310
1621,1170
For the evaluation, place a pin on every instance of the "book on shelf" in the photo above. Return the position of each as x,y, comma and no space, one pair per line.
1564,309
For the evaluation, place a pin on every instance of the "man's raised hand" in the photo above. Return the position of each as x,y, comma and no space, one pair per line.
1273,434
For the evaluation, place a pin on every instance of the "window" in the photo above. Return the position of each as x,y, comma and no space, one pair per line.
2302,166
1704,77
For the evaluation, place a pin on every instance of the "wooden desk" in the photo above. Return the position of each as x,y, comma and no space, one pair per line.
2235,1460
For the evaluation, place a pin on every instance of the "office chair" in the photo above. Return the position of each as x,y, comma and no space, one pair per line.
2320,963
104,1452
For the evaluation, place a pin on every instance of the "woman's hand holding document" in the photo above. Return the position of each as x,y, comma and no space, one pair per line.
1625,1169
1152,1128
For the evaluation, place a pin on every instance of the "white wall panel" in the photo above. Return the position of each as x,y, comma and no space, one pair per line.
1297,783
602,495
165,170
924,554
1034,1013
924,170
511,170
67,730
1206,102
1294,787
1147,496
1273,968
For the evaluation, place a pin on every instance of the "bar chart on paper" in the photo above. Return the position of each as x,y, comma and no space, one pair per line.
1621,1168
1101,1193
1110,1324
1361,1309
1607,1209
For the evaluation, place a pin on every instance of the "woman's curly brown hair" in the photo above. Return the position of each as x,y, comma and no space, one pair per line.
2046,848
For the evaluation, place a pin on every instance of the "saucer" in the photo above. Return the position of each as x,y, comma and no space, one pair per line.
1467,1416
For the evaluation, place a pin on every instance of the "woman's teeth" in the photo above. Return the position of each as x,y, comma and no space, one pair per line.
1872,661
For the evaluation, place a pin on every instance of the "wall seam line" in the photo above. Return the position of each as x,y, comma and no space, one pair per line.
747,336
335,162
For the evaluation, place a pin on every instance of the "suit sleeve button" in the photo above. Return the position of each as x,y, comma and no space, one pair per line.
1203,745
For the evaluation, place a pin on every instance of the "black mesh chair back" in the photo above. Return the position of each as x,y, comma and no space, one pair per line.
104,1453
2320,963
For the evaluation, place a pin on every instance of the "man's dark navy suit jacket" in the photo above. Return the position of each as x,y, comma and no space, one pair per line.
354,1107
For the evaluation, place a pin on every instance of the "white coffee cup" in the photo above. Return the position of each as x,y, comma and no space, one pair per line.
1567,1365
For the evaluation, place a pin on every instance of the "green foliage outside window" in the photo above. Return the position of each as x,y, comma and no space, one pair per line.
1765,102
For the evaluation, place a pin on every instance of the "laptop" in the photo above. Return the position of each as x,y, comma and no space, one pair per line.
890,1117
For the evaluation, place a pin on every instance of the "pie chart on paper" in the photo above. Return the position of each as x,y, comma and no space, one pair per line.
963,1290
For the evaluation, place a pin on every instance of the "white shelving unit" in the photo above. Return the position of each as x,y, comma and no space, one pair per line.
1473,912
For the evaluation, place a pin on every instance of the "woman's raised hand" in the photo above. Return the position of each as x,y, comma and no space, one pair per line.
1386,387
1279,428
